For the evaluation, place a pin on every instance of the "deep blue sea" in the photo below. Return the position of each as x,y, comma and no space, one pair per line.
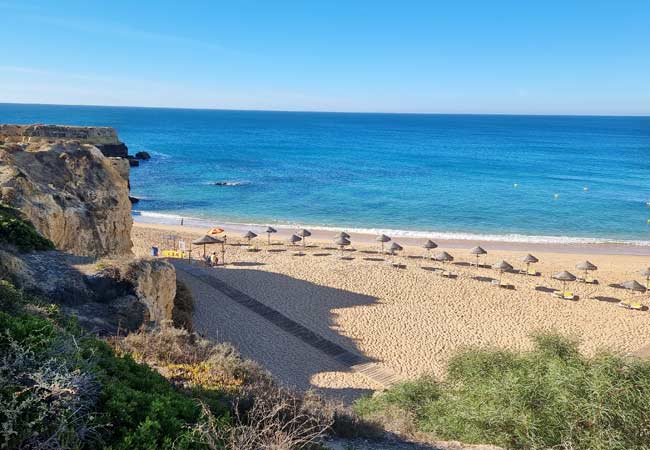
527,178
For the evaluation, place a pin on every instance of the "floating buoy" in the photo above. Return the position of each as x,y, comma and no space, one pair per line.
585,188
516,185
647,204
648,221
556,196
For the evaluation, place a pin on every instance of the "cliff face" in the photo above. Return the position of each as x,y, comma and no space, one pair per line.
72,193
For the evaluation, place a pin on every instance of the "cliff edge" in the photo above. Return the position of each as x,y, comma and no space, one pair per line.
72,193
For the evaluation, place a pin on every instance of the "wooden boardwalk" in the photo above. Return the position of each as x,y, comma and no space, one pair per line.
358,363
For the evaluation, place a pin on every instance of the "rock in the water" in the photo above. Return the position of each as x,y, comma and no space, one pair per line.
134,200
114,150
133,162
143,156
72,194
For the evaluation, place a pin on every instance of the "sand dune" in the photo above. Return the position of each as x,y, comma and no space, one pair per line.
412,320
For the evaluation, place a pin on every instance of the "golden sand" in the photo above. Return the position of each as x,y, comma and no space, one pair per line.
412,320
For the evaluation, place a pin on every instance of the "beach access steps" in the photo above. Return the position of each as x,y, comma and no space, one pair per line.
354,361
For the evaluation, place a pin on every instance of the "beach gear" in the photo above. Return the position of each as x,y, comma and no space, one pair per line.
269,231
383,238
530,259
206,240
478,251
429,245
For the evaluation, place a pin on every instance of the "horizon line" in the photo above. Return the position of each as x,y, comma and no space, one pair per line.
642,115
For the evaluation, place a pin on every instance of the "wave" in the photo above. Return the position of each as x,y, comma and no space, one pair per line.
174,219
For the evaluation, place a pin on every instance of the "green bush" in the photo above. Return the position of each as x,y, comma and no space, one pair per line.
551,397
20,233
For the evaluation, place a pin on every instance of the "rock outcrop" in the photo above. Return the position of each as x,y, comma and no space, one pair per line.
154,283
71,192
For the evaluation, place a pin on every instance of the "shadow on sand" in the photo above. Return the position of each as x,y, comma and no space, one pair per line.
271,339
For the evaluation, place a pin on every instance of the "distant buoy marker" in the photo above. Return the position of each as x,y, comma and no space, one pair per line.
556,196
516,185
647,204
586,188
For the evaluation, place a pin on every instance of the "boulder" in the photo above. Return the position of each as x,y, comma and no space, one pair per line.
72,194
154,283
142,156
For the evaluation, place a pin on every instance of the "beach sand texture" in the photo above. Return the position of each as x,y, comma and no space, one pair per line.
409,320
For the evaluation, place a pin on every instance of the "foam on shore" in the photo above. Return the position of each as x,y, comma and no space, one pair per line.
174,219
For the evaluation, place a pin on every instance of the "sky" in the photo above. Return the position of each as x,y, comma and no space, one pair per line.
497,56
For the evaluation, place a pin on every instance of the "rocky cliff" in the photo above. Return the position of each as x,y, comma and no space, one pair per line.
69,190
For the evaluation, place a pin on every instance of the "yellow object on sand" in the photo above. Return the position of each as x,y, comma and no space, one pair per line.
532,272
173,254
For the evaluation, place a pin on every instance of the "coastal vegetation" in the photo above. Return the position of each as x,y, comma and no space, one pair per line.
20,233
550,397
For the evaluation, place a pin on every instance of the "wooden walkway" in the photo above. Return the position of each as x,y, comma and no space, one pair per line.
358,363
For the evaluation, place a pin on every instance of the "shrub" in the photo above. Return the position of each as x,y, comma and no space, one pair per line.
20,233
551,397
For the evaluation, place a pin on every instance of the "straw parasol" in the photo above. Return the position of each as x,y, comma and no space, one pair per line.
304,234
564,277
529,259
206,240
342,234
646,273
214,231
586,266
395,247
383,239
429,245
478,251
634,286
502,266
342,242
294,238
269,232
249,235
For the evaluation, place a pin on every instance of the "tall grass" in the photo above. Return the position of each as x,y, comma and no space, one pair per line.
551,397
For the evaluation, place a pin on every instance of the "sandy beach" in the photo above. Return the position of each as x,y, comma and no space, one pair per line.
409,320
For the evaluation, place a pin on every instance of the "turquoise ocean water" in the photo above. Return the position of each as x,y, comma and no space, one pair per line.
421,175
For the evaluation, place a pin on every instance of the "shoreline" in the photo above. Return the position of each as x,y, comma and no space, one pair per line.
171,222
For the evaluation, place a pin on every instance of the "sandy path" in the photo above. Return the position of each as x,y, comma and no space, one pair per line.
413,320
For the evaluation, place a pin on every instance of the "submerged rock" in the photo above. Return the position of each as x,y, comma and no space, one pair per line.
142,156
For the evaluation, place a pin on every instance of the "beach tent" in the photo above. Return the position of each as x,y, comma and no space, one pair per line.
249,235
502,266
206,240
293,239
269,231
383,238
478,251
529,259
564,277
429,245
342,242
304,234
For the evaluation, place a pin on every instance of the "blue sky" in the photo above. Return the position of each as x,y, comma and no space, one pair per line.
521,57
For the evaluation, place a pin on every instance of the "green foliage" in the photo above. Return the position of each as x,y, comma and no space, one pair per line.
551,397
20,233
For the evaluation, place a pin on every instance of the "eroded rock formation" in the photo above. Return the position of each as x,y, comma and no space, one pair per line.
71,192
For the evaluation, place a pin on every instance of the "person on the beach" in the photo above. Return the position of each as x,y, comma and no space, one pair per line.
214,260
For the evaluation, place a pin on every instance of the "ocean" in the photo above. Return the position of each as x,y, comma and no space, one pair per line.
485,177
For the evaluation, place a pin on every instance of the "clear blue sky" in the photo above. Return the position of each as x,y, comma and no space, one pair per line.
483,56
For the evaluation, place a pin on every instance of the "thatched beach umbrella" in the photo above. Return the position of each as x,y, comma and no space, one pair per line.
342,234
564,277
294,238
383,238
429,245
206,240
249,235
342,242
502,266
586,266
529,259
304,234
395,247
633,286
443,257
478,251
646,273
269,232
